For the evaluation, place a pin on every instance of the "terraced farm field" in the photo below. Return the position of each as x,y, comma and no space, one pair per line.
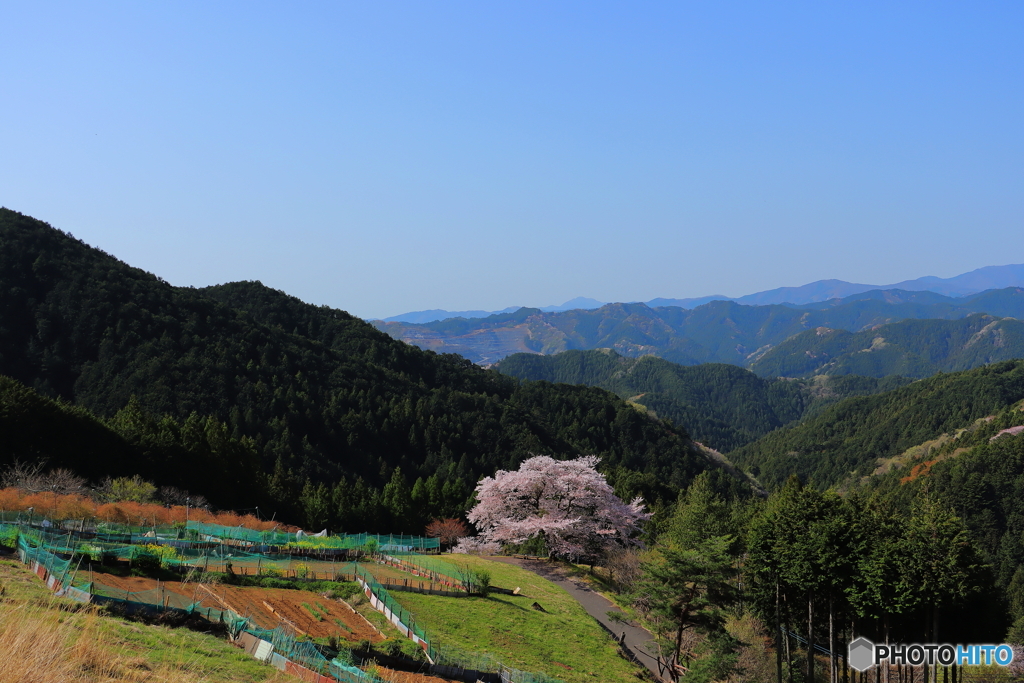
306,612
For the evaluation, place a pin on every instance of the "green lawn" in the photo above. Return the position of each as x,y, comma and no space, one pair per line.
563,641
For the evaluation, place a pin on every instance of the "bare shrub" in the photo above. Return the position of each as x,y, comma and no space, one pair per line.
24,476
623,565
449,531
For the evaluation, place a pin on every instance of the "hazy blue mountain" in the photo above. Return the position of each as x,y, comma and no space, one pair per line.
687,303
716,332
822,291
989,277
433,314
436,314
580,302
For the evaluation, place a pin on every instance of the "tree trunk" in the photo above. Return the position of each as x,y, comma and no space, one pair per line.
778,632
789,655
926,673
846,662
810,637
831,642
886,622
675,657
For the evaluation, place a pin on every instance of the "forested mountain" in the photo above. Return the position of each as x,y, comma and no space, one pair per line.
716,332
353,429
722,406
978,469
912,348
198,453
847,439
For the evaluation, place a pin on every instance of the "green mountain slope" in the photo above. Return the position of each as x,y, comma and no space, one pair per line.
198,454
386,435
722,406
912,348
848,438
978,470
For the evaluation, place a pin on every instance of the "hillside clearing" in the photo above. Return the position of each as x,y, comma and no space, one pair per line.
562,641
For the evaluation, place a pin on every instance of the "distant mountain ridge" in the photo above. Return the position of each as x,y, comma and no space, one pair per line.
965,284
434,314
911,348
715,332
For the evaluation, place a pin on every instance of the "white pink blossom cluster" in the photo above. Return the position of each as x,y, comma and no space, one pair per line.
568,501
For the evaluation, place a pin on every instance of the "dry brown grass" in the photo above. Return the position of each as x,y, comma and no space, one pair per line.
47,640
45,645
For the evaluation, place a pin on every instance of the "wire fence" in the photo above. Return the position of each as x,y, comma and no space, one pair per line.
42,547
432,568
459,661
368,542
64,577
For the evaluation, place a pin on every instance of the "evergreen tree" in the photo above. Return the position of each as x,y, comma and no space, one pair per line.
686,590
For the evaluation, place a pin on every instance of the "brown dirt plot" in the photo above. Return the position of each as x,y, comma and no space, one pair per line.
304,611
393,676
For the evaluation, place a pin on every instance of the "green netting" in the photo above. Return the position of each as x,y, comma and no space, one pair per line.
44,545
56,566
433,567
385,542
371,542
347,673
445,655
238,533
308,655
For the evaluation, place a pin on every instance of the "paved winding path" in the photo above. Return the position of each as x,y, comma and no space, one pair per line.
597,606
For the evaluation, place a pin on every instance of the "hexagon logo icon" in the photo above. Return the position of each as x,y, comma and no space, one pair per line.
861,654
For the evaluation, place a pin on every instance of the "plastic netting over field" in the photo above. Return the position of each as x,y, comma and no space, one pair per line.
382,542
309,655
65,577
128,533
171,552
170,547
432,567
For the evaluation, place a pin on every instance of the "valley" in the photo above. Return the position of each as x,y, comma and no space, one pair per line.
126,401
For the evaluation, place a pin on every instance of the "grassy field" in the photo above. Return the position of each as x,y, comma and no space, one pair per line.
47,639
563,641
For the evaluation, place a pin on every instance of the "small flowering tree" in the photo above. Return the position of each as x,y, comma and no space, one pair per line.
567,502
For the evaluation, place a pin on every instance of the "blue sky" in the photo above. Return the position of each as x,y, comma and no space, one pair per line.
387,157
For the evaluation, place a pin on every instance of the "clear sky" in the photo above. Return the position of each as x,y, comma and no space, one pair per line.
385,157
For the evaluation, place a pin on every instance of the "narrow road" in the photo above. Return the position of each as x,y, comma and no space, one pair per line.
597,606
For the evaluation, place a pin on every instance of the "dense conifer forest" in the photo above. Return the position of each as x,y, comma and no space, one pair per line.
347,427
895,507
847,439
722,406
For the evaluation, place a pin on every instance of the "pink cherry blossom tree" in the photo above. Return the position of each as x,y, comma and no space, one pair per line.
568,502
